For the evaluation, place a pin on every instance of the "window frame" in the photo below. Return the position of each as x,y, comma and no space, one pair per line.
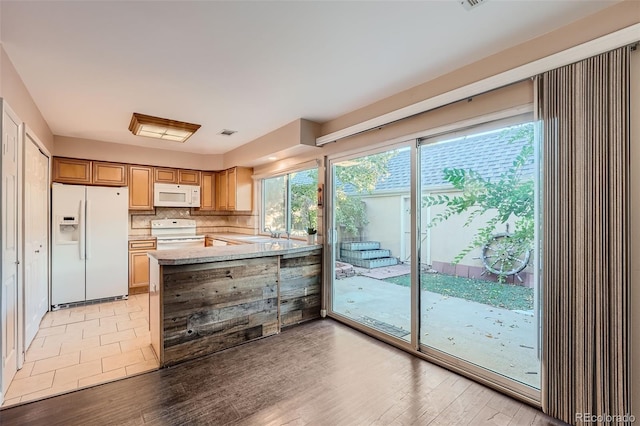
308,166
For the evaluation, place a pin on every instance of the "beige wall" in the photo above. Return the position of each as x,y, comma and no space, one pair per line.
611,19
120,153
614,18
506,98
441,243
14,92
295,138
384,213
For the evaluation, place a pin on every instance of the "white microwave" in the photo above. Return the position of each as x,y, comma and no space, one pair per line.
171,195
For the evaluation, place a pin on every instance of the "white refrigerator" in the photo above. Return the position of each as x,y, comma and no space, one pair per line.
90,243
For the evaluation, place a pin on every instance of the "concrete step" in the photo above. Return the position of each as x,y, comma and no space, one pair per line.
360,245
364,254
373,263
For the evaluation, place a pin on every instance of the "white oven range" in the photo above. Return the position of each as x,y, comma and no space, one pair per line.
174,234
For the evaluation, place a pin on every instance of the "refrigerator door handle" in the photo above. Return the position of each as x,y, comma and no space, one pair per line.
87,232
81,225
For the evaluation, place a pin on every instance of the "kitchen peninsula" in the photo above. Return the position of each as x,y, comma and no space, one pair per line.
203,300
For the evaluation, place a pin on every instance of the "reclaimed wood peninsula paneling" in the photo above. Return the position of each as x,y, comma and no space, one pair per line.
300,278
209,305
212,306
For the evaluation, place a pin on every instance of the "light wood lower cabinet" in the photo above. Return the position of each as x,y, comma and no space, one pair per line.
139,265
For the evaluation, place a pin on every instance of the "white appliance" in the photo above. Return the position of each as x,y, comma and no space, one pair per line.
176,234
90,243
170,195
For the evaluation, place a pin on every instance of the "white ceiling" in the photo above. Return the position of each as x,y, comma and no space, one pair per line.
247,66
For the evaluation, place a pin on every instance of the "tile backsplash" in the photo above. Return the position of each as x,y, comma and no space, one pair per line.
206,222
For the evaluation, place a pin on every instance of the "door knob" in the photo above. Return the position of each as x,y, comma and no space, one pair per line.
37,251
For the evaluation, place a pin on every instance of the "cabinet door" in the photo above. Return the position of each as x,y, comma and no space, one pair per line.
208,191
163,175
138,272
189,177
110,174
221,190
231,189
140,188
71,170
243,185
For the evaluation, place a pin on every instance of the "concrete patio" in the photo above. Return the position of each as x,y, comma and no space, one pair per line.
498,339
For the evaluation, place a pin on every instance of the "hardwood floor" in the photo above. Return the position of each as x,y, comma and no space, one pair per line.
320,373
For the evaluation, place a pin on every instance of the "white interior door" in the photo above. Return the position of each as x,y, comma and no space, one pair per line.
36,172
11,135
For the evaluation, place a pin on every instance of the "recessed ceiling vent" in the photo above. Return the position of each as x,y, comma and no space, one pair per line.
472,4
227,132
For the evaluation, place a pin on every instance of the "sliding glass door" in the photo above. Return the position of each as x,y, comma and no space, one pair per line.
478,274
463,259
371,285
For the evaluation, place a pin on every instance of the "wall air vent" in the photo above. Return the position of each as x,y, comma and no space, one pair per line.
227,132
472,4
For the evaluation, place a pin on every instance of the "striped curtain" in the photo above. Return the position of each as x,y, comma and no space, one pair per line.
584,109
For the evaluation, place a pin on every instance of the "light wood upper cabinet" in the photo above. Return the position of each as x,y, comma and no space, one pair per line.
188,177
221,190
71,170
207,191
234,191
164,175
87,172
140,188
180,176
114,174
242,183
231,188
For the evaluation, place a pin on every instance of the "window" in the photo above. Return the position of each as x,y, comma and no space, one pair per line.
289,202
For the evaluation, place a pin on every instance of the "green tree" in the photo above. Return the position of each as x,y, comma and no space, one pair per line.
304,201
353,180
511,196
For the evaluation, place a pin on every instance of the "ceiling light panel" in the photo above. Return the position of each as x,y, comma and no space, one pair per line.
161,128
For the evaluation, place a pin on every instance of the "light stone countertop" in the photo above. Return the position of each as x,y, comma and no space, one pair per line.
231,252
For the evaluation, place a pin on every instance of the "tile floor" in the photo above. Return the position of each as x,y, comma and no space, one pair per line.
84,346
